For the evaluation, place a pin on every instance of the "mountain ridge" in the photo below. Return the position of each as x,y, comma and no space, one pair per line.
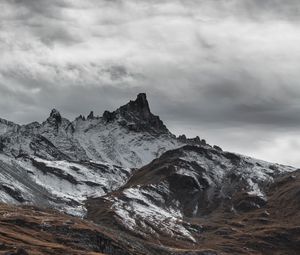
70,161
79,139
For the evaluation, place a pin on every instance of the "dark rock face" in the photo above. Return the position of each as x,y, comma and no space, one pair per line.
193,141
55,171
137,117
217,148
2,145
245,202
55,116
42,147
109,116
90,116
80,117
139,107
16,194
54,121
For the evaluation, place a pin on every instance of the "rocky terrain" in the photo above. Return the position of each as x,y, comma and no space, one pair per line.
271,229
135,188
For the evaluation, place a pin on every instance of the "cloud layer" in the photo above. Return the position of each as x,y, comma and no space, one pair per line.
229,69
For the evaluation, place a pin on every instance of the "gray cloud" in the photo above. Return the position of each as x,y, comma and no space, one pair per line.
226,70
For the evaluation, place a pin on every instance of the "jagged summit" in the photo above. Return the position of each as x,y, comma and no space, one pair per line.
90,116
117,137
139,107
55,115
137,116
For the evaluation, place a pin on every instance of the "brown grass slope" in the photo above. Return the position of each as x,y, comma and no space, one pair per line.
29,230
272,229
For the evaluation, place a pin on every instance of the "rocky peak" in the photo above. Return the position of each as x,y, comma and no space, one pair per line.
139,107
80,117
109,116
53,122
55,116
137,116
90,116
195,140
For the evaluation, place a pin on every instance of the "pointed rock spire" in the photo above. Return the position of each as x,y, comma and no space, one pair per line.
137,116
90,116
142,103
139,107
55,115
80,117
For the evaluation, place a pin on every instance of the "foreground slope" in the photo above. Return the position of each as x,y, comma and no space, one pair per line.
272,229
29,230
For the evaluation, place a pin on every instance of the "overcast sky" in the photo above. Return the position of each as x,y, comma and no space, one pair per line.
226,70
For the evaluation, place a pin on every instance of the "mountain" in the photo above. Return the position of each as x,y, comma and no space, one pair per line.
131,136
182,185
60,163
141,187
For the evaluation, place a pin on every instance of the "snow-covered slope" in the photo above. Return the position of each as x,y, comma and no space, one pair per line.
117,145
131,136
62,184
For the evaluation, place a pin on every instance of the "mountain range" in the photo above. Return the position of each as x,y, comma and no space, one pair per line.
122,183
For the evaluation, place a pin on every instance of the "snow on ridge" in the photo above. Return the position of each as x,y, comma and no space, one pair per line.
115,144
254,171
109,180
55,190
150,206
150,214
